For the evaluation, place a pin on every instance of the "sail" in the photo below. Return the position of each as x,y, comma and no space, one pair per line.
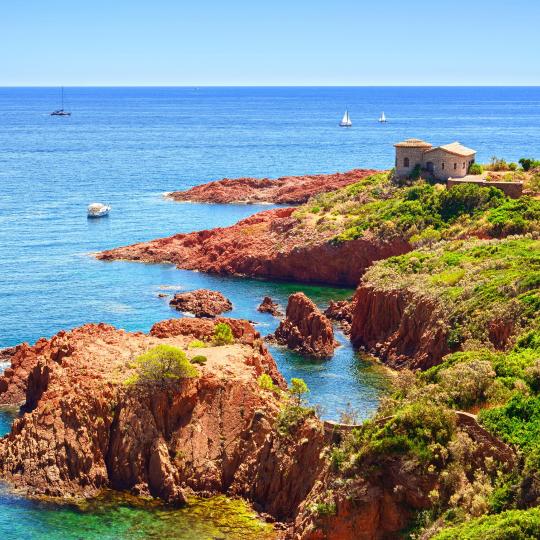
346,120
383,118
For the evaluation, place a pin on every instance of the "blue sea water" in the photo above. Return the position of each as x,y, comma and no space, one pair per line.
127,146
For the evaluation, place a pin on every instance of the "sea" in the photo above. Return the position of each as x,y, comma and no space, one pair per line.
127,147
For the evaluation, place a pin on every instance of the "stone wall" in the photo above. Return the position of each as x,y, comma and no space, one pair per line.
447,165
513,190
415,158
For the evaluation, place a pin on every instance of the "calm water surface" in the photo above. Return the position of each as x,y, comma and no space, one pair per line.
127,147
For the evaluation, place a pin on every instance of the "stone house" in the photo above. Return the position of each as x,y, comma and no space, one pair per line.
442,162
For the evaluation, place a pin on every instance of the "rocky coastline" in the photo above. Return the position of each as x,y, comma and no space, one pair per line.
285,190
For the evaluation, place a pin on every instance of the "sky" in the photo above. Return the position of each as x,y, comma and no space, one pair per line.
268,42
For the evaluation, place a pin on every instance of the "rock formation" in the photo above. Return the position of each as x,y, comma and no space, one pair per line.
305,329
201,303
401,328
285,190
269,244
269,306
340,311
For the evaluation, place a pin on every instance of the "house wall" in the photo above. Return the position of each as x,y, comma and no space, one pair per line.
443,164
415,158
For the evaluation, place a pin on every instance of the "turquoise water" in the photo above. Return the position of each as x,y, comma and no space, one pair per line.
127,147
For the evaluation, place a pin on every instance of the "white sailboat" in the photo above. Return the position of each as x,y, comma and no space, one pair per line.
382,119
346,120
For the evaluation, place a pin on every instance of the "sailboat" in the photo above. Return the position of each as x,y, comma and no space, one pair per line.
61,112
346,120
382,119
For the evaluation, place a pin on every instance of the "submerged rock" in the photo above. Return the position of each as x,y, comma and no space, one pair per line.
305,329
269,306
201,303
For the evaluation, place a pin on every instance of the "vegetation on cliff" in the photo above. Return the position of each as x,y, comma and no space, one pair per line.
422,213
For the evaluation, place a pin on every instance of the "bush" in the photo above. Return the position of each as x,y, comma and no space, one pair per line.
294,410
223,334
475,168
528,163
510,525
467,199
199,359
266,383
161,366
196,344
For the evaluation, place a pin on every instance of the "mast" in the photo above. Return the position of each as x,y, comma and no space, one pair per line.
62,98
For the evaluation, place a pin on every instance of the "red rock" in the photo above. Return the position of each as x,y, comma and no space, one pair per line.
305,329
201,303
269,306
341,311
284,190
268,244
402,328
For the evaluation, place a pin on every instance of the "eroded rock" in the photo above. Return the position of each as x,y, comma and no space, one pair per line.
305,329
201,303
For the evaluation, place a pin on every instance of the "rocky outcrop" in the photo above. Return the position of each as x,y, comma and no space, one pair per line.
269,306
85,430
272,244
284,190
201,303
341,311
402,328
305,329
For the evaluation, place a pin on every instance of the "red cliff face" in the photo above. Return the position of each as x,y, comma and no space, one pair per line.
341,311
285,190
305,329
268,244
402,329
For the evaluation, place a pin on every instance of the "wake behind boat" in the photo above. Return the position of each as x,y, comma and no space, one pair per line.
97,210
346,120
61,111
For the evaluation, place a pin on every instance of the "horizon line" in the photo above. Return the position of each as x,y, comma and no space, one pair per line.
498,85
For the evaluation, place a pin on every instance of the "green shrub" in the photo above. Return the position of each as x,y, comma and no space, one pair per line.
294,410
528,163
196,344
517,422
199,359
510,525
266,383
223,334
161,366
475,168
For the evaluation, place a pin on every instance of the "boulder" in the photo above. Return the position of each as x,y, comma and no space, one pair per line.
269,306
201,303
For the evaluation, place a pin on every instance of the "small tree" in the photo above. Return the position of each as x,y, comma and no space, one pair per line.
298,389
223,334
161,366
475,168
265,382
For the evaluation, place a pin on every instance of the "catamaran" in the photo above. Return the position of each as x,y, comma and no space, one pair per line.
346,120
61,112
382,119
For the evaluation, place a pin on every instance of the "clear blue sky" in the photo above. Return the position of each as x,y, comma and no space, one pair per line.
272,42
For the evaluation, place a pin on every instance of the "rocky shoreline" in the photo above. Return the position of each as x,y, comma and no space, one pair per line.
285,190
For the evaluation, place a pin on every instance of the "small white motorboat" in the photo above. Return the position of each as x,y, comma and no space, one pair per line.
346,120
96,210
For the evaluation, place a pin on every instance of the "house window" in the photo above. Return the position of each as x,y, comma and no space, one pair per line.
406,162
463,165
455,166
442,166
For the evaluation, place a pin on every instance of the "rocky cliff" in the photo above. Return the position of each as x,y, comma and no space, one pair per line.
271,244
305,329
401,328
284,190
201,303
